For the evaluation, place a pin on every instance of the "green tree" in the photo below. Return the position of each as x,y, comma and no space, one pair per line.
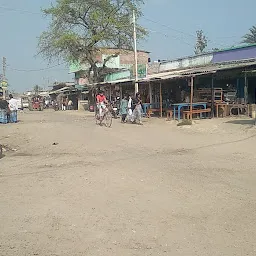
201,42
80,28
250,38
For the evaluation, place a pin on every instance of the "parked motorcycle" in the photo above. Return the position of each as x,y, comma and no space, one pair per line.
56,106
115,107
114,110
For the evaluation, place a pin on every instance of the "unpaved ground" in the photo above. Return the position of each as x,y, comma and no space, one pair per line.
153,190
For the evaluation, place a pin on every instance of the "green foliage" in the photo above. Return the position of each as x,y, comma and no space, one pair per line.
79,28
201,42
250,38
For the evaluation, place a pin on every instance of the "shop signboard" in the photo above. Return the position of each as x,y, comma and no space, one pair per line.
4,84
142,71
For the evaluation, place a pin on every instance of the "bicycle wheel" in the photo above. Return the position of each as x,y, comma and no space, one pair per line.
97,118
108,119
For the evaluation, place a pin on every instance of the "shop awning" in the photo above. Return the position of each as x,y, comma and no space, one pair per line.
199,71
112,82
63,90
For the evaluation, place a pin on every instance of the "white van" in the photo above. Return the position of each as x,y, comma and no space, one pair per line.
19,101
25,102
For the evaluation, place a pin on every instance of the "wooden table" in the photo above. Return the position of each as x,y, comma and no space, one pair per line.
187,113
178,106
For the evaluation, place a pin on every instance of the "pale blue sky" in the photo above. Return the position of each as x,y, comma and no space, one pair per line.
224,22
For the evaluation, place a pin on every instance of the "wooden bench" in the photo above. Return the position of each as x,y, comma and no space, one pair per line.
186,113
157,110
151,111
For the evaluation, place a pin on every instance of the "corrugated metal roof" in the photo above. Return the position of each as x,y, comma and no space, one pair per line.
64,89
210,52
198,71
237,47
122,81
113,82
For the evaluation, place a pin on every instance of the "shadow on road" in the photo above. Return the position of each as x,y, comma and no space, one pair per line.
242,122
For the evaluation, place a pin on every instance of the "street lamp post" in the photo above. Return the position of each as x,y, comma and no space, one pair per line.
135,53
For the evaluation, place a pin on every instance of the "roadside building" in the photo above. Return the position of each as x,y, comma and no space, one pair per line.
118,67
219,76
228,74
65,90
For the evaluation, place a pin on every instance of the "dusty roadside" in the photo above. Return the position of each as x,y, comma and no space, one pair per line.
69,187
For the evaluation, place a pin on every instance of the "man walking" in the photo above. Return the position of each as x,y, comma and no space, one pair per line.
13,106
137,112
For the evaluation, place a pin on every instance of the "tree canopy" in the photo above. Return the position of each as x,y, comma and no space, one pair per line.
250,38
79,28
201,42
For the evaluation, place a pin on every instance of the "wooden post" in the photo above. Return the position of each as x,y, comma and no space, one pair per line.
150,93
110,92
121,91
161,101
191,97
212,103
245,88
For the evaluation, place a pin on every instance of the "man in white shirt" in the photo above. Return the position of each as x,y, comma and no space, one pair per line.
13,106
129,116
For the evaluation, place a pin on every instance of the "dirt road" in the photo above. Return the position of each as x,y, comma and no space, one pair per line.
71,188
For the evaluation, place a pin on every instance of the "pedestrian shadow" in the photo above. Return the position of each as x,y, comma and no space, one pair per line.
1,152
242,122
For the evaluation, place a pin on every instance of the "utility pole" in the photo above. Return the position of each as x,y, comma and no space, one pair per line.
119,36
4,82
4,68
135,53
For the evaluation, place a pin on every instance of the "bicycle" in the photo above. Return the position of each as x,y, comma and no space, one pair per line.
106,118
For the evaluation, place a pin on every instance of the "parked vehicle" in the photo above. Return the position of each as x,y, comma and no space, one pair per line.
25,102
114,110
36,103
115,107
20,103
55,105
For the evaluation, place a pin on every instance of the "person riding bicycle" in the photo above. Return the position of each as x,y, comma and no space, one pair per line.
101,103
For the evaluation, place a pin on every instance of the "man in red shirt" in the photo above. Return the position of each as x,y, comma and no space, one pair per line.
101,103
